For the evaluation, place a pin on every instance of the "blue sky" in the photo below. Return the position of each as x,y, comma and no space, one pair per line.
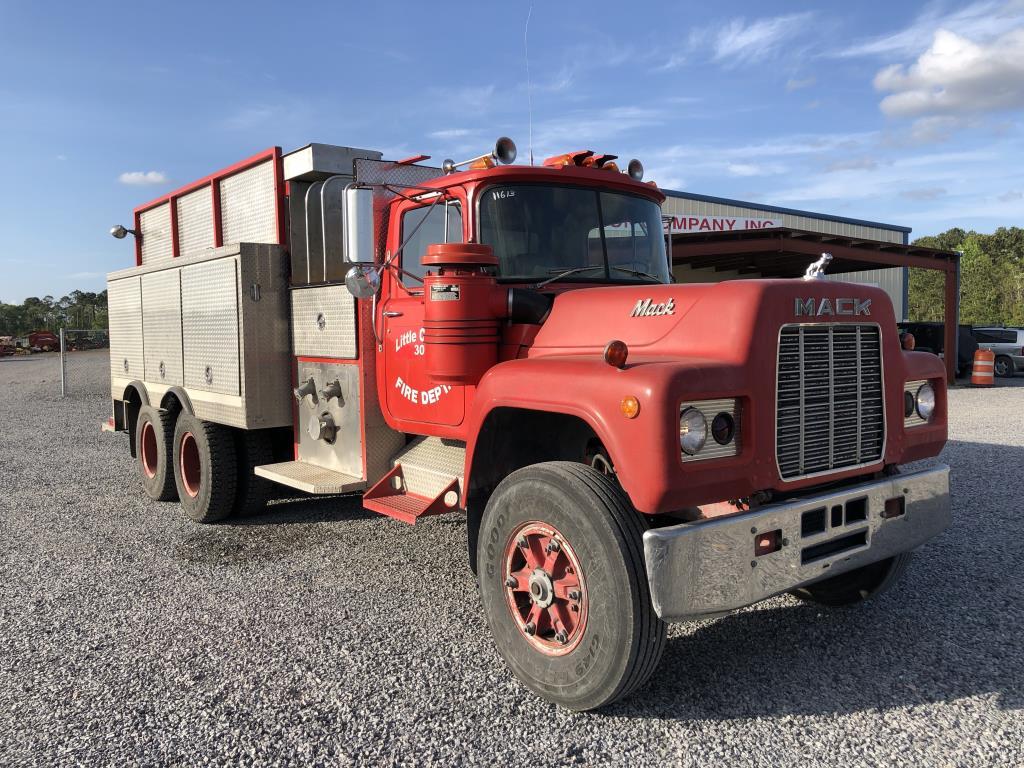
903,112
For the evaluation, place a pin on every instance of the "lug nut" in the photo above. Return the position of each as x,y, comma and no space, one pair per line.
574,595
511,581
553,546
530,629
562,638
521,541
574,607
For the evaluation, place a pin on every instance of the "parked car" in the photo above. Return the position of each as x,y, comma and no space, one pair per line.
6,346
1007,343
930,337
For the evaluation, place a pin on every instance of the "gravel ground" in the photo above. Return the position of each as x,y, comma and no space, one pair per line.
321,634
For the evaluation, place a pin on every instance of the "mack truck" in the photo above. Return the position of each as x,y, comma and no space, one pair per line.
506,342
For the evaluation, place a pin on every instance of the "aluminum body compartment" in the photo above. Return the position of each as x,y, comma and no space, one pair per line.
215,325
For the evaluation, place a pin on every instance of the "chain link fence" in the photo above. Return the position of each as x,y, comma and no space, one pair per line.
84,362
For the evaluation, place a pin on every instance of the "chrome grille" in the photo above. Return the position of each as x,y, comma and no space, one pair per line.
829,405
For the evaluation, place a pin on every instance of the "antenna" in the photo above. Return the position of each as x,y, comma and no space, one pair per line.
529,88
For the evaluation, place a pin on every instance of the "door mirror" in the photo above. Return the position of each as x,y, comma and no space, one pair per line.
358,219
363,281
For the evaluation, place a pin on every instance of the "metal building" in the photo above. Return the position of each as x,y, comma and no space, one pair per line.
688,213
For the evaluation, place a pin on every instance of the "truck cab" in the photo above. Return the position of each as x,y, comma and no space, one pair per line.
505,342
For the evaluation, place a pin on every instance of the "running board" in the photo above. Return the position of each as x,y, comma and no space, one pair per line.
391,497
310,478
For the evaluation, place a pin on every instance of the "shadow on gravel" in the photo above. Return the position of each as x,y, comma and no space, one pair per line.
949,630
307,509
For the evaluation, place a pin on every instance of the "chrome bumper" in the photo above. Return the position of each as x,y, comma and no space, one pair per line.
702,569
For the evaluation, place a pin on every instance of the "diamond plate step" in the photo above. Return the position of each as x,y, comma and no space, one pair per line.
310,478
430,464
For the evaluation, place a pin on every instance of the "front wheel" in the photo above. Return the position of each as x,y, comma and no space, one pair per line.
1003,367
856,586
564,587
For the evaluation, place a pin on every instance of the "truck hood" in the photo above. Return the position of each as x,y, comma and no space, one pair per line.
712,320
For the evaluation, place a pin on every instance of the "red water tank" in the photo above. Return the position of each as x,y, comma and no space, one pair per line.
462,309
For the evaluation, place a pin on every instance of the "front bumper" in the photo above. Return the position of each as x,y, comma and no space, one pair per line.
702,569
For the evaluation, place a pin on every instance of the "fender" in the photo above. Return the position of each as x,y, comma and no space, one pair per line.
926,440
644,450
140,388
182,396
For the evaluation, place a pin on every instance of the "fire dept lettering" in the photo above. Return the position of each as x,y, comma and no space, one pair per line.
648,308
421,396
850,307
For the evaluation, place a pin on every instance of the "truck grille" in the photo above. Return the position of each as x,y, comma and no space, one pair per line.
829,406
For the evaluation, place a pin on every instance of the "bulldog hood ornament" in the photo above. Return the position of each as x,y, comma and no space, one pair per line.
817,269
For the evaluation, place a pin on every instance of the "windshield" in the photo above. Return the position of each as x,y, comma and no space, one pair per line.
538,231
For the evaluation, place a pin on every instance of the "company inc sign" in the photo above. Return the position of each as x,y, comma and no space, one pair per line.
687,222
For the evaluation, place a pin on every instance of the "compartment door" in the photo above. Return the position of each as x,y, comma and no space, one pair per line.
209,314
161,322
124,302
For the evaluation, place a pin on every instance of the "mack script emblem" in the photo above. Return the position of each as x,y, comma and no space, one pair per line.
647,308
832,307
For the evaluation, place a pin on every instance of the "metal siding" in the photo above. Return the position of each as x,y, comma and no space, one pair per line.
335,336
249,206
124,315
195,222
680,205
161,319
155,228
209,311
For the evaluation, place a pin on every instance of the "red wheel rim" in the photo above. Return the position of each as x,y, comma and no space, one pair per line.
544,588
191,473
148,454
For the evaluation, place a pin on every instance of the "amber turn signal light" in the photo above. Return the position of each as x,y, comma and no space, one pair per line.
615,353
630,407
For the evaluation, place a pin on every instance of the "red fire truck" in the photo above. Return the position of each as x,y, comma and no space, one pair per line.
505,342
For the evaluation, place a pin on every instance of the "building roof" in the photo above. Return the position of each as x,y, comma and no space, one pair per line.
785,252
777,209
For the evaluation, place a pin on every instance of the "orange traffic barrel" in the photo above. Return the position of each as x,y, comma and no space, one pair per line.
982,374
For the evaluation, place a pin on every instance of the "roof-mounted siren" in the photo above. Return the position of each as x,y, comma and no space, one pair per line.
504,152
635,169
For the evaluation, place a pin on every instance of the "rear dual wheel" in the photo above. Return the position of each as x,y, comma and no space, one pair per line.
205,468
564,587
154,447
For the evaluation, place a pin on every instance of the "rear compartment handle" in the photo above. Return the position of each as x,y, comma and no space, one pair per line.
392,313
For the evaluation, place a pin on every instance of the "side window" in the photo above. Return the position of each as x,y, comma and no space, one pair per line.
428,223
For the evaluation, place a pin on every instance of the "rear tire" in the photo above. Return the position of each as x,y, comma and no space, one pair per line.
205,468
856,586
611,644
1003,367
254,448
154,453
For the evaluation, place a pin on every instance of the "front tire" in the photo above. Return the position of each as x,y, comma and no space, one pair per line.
856,586
564,587
205,468
1003,367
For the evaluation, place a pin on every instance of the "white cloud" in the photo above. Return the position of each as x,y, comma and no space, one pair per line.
978,21
451,133
753,169
1006,197
795,85
864,163
956,76
142,178
742,43
924,193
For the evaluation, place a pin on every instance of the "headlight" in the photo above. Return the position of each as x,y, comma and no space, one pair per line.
925,401
693,430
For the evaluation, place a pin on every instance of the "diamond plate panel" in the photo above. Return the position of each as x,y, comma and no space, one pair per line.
124,313
324,322
311,479
161,321
195,222
155,228
381,442
209,314
430,464
248,206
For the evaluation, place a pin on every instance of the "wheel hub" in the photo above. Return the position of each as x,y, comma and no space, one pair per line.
544,588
